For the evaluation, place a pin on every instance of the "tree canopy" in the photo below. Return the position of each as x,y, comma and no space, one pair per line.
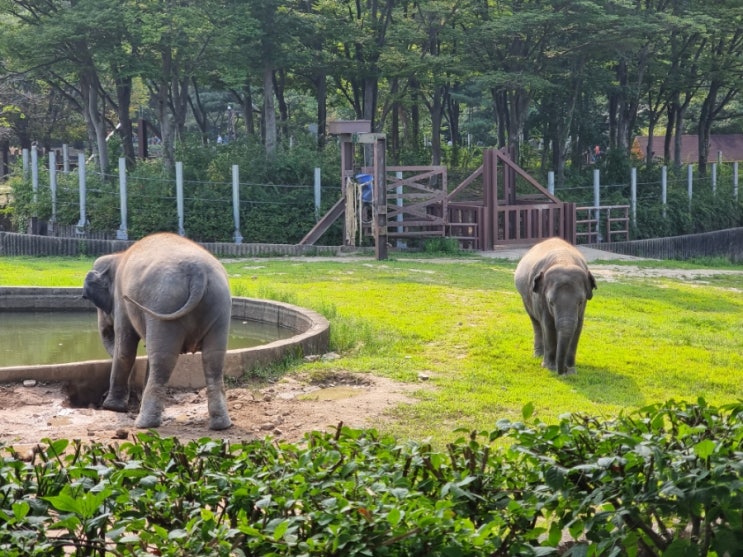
562,75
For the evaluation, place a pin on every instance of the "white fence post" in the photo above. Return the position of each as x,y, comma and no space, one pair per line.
597,200
81,180
53,185
735,180
690,182
633,194
714,178
35,172
664,188
236,202
65,159
318,195
179,197
551,182
121,233
401,244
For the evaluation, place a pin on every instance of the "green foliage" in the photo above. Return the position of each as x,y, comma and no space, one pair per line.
665,480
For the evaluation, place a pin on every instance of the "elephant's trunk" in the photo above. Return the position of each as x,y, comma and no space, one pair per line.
566,329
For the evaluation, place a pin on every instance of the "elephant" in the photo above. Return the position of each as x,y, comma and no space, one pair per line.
555,283
174,295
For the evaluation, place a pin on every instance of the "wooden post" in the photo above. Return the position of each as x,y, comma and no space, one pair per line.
380,198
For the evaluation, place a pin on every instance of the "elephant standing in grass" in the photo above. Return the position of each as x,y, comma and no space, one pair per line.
555,284
174,295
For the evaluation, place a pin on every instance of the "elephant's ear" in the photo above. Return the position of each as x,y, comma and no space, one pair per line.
536,284
591,286
98,287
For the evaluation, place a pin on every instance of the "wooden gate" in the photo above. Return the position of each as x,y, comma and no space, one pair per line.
508,207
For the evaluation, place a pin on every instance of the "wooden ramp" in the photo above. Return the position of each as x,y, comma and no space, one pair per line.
325,222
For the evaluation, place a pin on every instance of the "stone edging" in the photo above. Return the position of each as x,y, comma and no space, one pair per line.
313,337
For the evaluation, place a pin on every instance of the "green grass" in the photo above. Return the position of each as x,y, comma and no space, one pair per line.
461,322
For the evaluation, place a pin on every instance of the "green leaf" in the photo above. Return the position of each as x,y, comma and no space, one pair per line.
704,449
20,509
681,548
280,530
527,411
394,516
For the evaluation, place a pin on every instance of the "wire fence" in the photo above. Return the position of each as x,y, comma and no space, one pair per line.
79,202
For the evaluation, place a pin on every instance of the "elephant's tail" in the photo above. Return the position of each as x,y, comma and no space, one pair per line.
196,291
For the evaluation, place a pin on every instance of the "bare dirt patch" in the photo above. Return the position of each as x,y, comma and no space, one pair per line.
284,410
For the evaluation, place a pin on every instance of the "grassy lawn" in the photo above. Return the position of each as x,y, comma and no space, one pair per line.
647,337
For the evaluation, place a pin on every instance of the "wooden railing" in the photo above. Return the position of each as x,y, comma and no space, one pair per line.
606,223
466,224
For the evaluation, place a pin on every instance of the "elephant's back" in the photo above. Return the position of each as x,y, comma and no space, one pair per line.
162,270
544,255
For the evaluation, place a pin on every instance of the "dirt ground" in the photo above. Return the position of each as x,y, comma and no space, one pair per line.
284,410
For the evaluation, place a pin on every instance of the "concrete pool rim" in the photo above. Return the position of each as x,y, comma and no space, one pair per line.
311,328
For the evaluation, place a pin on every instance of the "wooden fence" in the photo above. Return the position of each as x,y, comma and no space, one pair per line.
727,244
12,244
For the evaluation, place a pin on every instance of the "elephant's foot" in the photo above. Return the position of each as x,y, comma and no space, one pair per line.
538,352
147,421
117,404
220,422
568,371
549,365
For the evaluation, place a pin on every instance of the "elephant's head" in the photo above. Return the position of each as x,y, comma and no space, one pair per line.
99,289
99,283
565,291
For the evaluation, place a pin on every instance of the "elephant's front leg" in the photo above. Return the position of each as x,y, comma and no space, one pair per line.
549,336
125,353
538,339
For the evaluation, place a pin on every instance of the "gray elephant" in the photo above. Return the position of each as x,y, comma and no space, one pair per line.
555,284
174,295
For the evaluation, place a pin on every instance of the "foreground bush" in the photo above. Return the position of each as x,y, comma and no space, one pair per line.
665,480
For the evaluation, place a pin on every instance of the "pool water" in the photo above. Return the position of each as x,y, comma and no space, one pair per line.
42,338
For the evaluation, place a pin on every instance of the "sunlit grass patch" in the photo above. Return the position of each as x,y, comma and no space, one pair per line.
460,324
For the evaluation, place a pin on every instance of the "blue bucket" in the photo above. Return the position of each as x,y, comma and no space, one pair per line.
366,181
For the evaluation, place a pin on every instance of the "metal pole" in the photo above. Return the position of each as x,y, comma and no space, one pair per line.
735,180
714,178
551,182
633,194
121,233
318,200
65,159
25,162
179,196
81,179
236,202
53,184
597,201
664,188
35,172
399,202
690,182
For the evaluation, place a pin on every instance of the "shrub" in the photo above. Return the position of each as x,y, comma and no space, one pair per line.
665,480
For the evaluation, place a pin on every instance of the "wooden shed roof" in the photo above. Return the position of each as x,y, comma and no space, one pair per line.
728,146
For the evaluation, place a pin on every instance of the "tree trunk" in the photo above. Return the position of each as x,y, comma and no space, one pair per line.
269,112
279,84
94,118
321,85
124,100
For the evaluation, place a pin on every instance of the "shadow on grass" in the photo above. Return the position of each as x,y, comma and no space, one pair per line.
604,387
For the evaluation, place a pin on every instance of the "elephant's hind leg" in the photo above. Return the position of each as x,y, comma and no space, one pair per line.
213,363
151,409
